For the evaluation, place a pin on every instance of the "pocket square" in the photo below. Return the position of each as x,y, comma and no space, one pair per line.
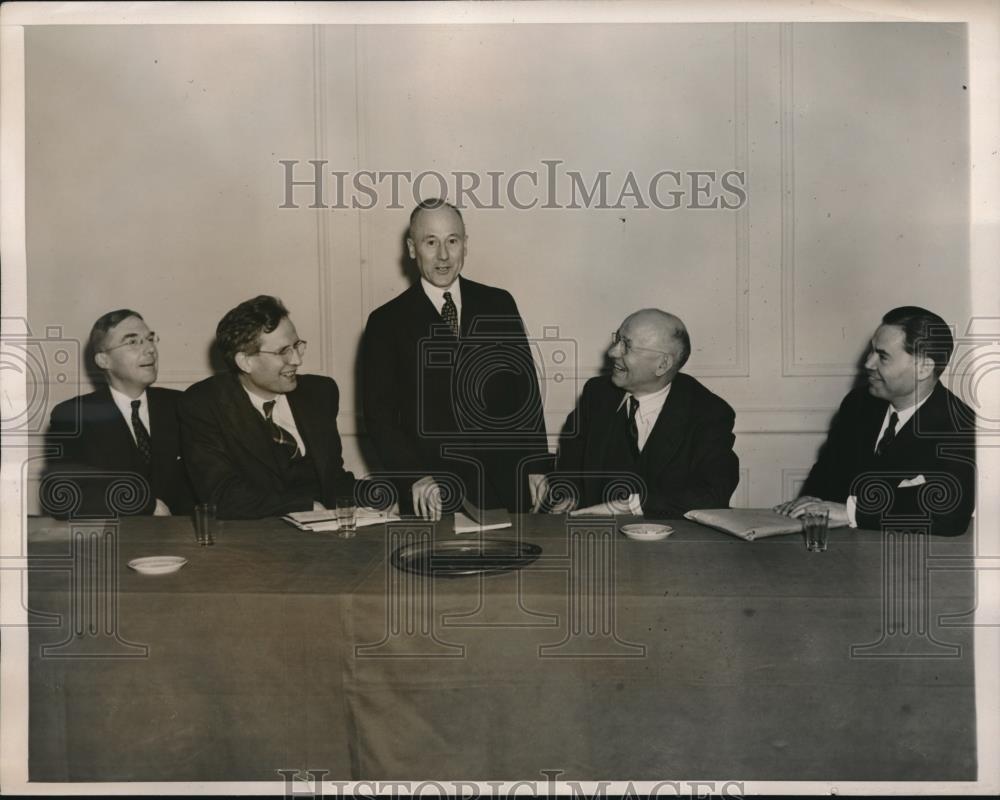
920,480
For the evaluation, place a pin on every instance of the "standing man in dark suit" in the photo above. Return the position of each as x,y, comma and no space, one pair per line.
117,450
261,440
450,389
647,424
901,450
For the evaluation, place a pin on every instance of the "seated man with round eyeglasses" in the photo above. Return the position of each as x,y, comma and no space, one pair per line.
116,451
647,439
261,440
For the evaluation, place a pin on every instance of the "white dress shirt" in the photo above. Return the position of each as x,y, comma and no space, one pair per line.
281,414
902,417
124,403
650,406
648,412
436,296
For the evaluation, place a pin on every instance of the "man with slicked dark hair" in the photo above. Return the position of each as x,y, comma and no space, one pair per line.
116,451
901,451
261,440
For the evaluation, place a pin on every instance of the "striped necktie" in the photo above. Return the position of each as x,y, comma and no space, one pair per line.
285,441
142,440
633,426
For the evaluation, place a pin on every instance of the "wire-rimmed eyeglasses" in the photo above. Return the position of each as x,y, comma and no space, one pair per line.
298,347
627,346
135,341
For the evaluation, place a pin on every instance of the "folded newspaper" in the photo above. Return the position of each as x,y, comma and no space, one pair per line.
746,523
320,521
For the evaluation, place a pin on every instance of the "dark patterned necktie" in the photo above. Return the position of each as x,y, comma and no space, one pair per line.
450,313
888,436
633,426
285,441
142,440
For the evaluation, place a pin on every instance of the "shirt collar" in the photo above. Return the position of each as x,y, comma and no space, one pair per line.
436,294
258,401
648,403
124,402
906,413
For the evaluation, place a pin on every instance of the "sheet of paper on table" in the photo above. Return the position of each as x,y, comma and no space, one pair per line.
745,523
464,524
320,521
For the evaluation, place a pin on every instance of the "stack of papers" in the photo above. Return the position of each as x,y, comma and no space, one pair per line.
327,520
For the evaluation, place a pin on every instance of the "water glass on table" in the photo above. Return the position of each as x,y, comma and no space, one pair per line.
816,527
346,517
205,523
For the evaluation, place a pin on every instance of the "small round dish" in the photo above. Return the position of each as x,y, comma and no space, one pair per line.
157,565
647,531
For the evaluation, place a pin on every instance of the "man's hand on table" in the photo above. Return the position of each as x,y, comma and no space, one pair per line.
427,499
796,508
623,505
538,485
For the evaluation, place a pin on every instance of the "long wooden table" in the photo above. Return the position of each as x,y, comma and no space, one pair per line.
697,656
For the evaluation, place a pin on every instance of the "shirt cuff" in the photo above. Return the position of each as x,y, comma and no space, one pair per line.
635,505
852,504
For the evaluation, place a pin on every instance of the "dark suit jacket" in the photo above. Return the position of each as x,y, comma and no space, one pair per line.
229,453
96,450
687,461
937,442
478,393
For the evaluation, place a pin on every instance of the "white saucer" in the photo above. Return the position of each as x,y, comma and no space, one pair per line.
647,531
157,565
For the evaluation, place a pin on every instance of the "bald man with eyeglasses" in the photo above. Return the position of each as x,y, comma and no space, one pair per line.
261,439
116,451
647,439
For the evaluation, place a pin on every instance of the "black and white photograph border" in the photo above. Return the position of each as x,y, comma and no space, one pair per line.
778,291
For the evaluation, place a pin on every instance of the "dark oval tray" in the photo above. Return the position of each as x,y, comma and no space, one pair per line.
458,559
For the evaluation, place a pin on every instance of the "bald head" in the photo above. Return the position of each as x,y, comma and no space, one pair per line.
652,347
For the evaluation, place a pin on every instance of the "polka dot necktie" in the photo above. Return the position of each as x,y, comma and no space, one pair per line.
450,313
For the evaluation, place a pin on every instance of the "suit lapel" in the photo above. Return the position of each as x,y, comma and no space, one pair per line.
423,314
310,427
668,430
245,417
469,307
117,436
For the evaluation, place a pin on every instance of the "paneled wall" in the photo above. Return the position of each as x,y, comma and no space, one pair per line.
154,182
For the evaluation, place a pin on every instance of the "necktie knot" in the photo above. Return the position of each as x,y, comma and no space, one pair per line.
269,408
136,404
